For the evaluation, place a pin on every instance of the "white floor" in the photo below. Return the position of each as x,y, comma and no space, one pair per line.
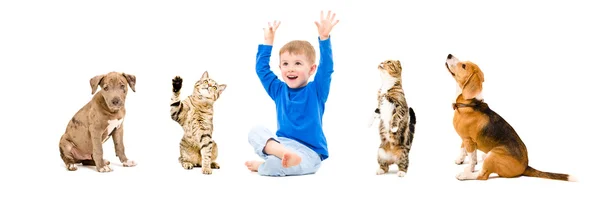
539,61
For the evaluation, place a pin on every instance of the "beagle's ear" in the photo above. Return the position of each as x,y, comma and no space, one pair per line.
95,82
474,85
130,80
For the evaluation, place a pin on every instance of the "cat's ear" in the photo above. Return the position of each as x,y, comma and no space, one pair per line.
221,88
205,75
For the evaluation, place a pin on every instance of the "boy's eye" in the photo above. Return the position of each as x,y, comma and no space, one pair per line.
285,64
298,63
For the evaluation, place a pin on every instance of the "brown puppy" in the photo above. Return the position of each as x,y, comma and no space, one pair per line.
483,129
95,122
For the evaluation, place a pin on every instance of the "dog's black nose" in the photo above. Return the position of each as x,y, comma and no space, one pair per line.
116,101
449,56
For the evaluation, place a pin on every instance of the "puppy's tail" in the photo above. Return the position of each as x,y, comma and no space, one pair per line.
532,172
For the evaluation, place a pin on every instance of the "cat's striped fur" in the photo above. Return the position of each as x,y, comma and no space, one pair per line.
396,120
195,115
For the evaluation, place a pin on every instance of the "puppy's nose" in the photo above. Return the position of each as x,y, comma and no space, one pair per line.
116,101
449,56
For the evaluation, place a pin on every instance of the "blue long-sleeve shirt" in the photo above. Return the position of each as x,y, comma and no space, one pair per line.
300,110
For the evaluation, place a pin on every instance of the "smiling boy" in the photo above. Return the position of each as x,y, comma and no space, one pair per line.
299,145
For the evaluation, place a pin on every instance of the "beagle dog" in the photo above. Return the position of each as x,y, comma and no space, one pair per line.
480,128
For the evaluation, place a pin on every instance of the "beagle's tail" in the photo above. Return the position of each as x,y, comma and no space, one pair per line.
532,172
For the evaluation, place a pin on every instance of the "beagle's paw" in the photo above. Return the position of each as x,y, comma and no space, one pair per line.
461,176
459,160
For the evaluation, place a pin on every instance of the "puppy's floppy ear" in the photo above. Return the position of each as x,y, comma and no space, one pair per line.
130,80
95,82
204,75
474,85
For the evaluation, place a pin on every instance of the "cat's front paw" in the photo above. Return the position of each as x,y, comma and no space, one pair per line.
206,171
177,83
401,173
187,165
395,129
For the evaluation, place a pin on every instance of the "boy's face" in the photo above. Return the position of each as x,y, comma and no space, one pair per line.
295,69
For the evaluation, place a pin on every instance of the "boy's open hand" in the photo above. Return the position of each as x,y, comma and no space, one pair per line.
270,32
326,25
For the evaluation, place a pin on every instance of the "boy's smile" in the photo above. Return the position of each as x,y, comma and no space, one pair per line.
295,69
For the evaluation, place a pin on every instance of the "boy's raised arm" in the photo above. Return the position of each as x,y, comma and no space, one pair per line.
267,78
325,68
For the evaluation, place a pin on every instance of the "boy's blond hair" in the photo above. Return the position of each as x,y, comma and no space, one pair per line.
299,47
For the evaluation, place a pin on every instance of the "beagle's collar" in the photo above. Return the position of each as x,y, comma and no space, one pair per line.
459,105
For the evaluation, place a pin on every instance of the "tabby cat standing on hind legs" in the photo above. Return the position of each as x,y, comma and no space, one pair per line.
396,120
195,115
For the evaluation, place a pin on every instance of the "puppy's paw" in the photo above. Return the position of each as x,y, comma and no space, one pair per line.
206,171
129,163
177,83
401,173
187,165
380,171
214,165
104,169
71,167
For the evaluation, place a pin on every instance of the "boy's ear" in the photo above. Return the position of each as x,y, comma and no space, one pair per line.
313,68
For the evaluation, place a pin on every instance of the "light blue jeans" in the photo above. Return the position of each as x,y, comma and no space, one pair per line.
258,138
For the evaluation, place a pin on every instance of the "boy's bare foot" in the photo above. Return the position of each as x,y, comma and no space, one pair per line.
253,165
290,159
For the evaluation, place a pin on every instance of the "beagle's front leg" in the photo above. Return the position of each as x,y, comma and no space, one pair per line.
471,149
461,155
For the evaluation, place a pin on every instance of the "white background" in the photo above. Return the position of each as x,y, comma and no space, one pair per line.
539,60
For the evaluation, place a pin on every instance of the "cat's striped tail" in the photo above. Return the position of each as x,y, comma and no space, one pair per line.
413,120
